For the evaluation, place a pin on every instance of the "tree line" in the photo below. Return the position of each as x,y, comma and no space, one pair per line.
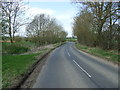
97,24
41,30
45,30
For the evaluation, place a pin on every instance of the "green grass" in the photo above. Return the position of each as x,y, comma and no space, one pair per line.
110,55
71,39
15,66
17,47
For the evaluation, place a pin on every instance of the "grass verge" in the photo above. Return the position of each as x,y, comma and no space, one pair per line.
109,55
14,67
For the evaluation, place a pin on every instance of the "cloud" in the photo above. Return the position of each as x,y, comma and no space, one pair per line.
66,18
32,11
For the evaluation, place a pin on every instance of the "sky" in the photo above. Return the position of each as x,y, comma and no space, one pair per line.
64,12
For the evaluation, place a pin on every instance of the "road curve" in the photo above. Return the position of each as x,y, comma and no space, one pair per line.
67,67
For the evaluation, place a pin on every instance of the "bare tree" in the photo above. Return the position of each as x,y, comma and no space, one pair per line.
12,11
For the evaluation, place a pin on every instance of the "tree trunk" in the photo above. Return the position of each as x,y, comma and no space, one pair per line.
110,31
110,35
10,32
99,37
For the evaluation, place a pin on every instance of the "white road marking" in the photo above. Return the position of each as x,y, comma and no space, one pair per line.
68,54
82,68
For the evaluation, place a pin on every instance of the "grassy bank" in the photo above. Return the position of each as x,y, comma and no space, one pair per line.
109,55
13,67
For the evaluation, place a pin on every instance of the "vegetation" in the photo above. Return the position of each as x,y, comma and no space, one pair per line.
45,30
107,54
13,67
41,30
71,39
97,25
12,17
17,47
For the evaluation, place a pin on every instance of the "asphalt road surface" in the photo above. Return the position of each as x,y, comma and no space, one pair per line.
67,67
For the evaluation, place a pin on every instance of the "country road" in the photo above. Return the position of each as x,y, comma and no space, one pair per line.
67,67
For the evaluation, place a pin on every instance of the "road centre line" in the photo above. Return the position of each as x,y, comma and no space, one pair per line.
82,69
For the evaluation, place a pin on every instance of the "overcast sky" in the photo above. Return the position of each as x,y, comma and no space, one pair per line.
64,12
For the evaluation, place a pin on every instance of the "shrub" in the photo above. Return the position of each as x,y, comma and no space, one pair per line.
16,49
